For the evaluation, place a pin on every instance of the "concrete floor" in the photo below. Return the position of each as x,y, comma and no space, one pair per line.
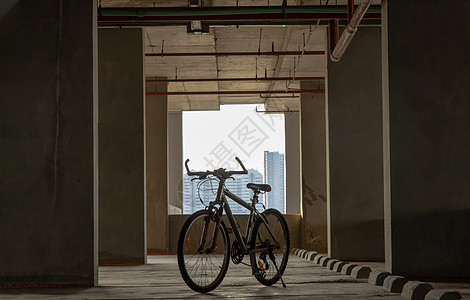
160,279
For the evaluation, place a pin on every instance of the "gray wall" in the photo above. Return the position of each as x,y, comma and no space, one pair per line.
46,143
156,139
293,174
354,93
175,161
314,170
427,127
121,146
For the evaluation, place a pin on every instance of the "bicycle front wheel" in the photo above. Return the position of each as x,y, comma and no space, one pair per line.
270,264
201,269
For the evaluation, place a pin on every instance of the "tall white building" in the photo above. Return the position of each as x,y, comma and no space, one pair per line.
208,191
274,176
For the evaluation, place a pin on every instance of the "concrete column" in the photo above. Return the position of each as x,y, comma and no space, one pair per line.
293,176
175,163
314,170
47,131
157,163
354,94
426,138
121,146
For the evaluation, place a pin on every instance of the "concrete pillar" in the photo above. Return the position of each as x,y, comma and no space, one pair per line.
293,176
157,183
175,163
426,138
47,130
354,94
121,146
314,170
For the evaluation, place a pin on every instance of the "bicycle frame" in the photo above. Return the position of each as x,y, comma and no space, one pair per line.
259,241
221,200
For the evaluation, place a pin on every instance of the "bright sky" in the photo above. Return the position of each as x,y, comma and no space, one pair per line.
212,139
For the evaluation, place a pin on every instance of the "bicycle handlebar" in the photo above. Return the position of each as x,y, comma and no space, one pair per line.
206,173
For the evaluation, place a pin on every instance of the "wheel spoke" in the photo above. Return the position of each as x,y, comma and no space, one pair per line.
263,239
202,271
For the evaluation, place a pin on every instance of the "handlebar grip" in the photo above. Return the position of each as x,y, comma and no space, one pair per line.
187,168
205,174
201,175
241,164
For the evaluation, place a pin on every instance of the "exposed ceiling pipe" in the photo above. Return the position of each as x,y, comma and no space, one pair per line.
350,9
225,15
277,97
256,53
237,79
280,59
276,111
350,30
232,92
333,33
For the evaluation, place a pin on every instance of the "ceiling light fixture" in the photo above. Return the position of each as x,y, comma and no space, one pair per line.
193,3
198,27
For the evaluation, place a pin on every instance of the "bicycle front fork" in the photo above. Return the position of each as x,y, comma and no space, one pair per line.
217,219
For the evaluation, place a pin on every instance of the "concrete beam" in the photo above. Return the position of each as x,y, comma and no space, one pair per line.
314,170
156,130
121,146
175,162
292,157
48,183
354,94
426,134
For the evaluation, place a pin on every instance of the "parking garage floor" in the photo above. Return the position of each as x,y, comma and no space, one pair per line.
160,279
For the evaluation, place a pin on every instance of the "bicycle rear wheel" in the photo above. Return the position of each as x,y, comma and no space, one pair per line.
265,262
202,271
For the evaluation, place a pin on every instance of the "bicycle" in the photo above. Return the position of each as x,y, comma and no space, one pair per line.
204,250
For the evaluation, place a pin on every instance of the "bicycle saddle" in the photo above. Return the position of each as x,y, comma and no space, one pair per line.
261,187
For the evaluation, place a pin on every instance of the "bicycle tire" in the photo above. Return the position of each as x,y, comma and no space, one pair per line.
268,275
202,272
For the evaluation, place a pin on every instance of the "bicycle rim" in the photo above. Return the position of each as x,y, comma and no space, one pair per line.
202,271
261,261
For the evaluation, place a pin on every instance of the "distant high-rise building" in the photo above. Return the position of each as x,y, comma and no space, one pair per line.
208,191
274,176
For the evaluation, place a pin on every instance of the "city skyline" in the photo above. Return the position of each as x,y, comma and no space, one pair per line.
273,174
208,189
212,139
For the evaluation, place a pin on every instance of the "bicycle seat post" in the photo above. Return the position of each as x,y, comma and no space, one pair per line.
255,198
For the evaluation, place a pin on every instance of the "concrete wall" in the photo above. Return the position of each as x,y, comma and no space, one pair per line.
354,94
175,162
293,174
121,146
314,170
294,222
427,130
156,160
47,75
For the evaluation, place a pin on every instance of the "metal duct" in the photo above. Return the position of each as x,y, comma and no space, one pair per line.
350,30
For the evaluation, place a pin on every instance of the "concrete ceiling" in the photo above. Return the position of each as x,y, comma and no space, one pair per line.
230,39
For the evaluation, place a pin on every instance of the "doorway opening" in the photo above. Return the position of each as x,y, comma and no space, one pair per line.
212,140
